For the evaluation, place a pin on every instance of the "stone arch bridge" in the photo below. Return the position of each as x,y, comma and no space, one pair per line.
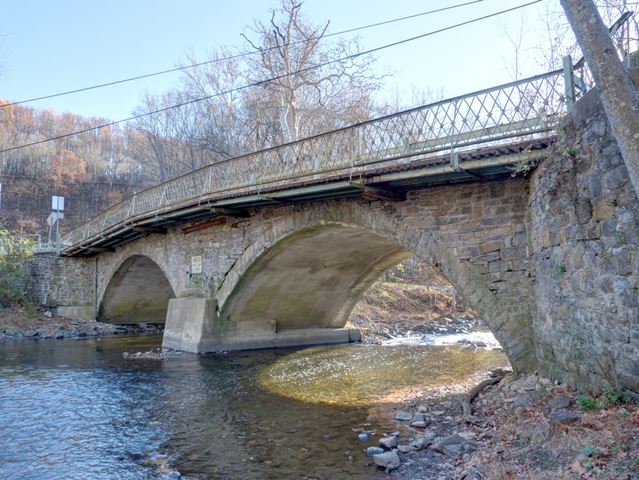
274,248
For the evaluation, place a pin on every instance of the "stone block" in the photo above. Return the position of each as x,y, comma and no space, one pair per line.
86,312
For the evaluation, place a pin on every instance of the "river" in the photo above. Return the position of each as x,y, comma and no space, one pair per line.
79,410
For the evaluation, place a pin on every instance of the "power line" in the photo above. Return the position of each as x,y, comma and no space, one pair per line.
268,80
47,181
239,55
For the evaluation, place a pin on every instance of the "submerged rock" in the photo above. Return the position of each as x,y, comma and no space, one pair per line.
404,416
150,355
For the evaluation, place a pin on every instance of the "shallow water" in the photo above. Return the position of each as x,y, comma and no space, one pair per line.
77,409
481,335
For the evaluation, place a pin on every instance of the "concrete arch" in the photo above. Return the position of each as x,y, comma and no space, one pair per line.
138,291
312,278
266,257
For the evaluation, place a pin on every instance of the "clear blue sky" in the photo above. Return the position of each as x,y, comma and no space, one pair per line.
48,46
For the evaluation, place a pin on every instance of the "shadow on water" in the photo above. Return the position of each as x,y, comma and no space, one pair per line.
79,410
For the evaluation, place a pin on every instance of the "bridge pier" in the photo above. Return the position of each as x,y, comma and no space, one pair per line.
189,321
192,325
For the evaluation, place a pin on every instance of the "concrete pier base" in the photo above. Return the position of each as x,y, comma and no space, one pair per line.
254,340
189,321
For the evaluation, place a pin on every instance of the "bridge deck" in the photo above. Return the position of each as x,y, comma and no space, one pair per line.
387,182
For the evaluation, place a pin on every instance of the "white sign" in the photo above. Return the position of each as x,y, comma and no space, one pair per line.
57,203
54,217
196,264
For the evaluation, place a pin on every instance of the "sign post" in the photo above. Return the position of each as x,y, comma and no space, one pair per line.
57,214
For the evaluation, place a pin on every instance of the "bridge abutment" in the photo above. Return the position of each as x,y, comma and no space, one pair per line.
584,246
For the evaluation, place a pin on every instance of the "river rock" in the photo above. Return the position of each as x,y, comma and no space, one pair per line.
522,400
474,474
418,424
422,441
564,417
453,450
388,442
48,314
419,416
363,436
404,416
467,434
454,446
559,402
523,384
370,451
404,448
387,460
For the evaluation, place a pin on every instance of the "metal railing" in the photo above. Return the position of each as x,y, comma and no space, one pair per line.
515,111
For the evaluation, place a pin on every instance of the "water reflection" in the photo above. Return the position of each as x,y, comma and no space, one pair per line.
79,410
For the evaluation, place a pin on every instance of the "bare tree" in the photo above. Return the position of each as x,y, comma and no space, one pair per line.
170,139
305,85
303,96
557,39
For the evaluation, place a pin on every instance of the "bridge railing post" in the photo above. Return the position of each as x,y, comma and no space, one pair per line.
131,211
569,82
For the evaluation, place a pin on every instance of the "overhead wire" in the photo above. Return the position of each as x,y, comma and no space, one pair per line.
269,80
37,180
239,55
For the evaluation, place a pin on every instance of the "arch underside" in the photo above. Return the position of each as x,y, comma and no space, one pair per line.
312,279
138,292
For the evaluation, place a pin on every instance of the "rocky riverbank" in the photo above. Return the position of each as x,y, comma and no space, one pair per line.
521,428
390,310
17,323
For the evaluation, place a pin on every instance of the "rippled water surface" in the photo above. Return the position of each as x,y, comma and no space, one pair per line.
78,410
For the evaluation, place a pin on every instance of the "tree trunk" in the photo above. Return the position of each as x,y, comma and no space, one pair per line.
613,82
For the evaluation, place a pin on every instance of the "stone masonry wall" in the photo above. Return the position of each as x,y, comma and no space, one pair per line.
41,277
584,237
58,281
475,233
